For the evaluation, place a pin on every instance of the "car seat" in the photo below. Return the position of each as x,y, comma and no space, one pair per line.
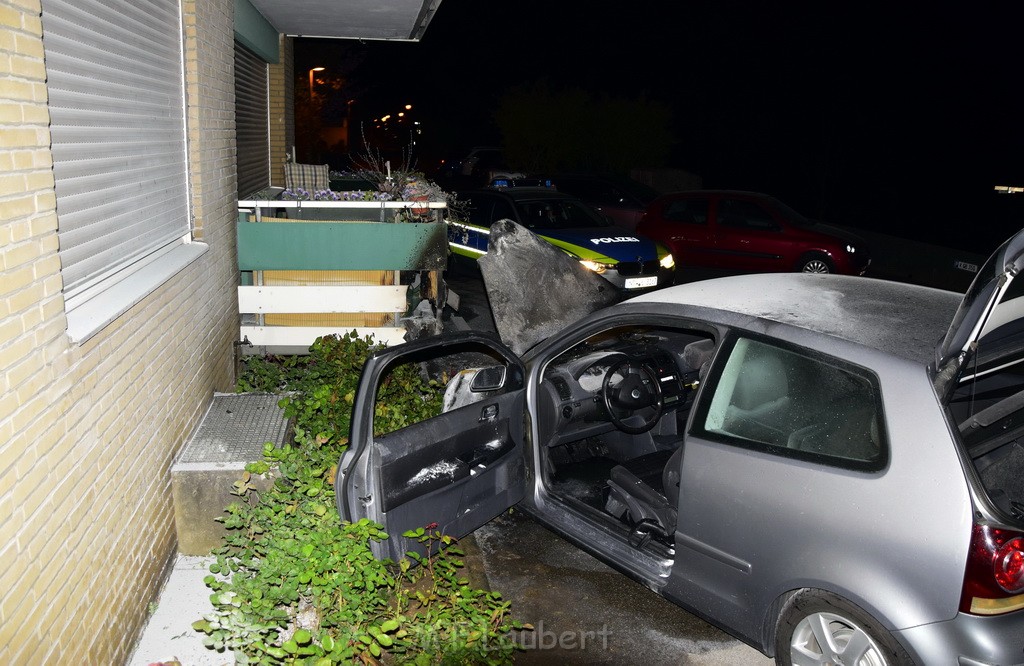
759,406
644,491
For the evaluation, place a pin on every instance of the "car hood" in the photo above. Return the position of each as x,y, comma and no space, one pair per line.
836,232
534,288
614,243
989,324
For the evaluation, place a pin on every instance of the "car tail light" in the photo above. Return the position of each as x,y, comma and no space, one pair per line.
994,579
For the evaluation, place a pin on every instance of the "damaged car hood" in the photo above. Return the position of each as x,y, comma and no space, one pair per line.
536,289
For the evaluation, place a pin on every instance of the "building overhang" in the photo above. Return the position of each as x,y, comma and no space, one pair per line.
399,20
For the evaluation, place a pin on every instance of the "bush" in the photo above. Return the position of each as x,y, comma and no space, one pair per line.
294,584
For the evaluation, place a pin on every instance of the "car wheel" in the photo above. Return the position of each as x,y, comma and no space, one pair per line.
817,627
815,263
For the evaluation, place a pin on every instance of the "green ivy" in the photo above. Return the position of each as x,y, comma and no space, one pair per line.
293,584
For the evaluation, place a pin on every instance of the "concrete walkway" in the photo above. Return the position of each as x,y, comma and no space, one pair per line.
169,635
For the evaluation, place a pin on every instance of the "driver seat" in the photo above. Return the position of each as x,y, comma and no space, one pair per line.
644,492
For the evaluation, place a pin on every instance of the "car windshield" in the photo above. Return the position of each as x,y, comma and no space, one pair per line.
791,215
559,214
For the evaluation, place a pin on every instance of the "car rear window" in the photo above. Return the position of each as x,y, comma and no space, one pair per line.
794,402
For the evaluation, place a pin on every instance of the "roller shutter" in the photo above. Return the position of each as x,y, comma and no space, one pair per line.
116,102
252,124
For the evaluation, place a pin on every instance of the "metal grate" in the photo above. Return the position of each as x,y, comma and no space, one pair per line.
235,429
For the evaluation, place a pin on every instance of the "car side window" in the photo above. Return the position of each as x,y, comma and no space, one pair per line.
796,403
438,380
745,215
687,211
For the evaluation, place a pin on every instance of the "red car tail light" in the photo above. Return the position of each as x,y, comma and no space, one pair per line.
994,577
1009,565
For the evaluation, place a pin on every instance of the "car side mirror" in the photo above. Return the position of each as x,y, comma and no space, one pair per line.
488,379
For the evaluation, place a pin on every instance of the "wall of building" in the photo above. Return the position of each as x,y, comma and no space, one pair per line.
282,110
88,432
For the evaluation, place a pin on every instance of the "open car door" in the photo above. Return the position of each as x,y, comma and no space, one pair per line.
456,468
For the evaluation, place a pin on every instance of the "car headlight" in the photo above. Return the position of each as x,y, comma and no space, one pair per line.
595,266
667,261
851,249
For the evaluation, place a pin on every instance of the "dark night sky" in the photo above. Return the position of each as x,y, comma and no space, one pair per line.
886,115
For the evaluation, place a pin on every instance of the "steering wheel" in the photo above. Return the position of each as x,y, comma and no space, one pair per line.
630,388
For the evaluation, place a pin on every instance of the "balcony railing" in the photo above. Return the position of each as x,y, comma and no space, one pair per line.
313,268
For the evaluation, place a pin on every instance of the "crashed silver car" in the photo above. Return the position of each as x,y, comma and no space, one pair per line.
830,468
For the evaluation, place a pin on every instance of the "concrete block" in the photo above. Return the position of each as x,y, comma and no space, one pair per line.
201,493
231,435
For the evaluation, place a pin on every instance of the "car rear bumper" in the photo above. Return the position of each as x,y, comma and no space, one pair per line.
968,640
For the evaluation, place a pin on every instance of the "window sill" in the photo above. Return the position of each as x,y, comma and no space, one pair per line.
93,309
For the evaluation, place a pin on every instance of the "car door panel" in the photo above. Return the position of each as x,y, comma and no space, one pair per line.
686,227
446,450
456,470
748,235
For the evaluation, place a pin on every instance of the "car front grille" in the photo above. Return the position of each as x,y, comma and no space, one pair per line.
627,268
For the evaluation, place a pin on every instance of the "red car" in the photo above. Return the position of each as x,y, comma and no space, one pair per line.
747,231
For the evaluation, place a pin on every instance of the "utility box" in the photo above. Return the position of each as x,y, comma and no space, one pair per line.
230,436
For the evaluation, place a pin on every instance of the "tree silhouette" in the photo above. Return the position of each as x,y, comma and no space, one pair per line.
547,129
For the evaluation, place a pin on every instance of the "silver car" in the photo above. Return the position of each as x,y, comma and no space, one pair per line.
830,468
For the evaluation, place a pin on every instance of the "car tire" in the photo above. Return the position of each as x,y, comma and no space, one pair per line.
813,617
815,262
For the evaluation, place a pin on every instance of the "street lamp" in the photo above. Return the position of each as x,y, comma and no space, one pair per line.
315,69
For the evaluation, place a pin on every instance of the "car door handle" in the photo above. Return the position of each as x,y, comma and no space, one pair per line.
489,413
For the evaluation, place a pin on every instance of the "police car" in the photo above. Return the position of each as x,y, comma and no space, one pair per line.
629,261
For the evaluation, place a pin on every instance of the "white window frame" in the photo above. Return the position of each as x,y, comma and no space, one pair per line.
107,265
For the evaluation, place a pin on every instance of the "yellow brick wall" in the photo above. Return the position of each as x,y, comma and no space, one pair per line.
282,109
88,432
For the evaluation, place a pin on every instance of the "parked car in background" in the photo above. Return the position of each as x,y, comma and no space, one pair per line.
476,169
830,468
751,232
622,200
629,261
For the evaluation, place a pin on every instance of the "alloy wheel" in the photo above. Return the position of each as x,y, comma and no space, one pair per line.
816,266
827,639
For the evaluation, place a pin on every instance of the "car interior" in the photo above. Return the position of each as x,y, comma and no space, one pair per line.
612,411
987,404
988,407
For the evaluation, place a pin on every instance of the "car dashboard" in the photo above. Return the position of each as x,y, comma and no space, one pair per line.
573,405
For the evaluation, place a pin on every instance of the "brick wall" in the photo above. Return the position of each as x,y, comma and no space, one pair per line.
282,110
88,432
